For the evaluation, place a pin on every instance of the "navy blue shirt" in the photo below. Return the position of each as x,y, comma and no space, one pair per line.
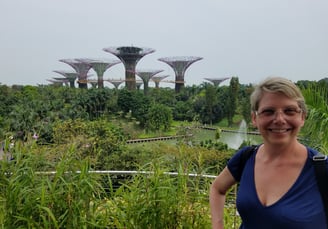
300,208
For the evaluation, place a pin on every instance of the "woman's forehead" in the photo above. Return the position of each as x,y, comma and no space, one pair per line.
276,99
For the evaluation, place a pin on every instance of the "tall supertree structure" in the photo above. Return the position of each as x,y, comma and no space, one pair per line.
138,84
180,65
82,68
217,81
116,83
100,66
130,56
56,83
158,79
146,75
62,79
93,82
71,76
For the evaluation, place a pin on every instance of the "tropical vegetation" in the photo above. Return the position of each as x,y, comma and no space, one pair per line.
67,162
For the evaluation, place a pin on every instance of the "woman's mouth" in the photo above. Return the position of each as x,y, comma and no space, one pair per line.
279,130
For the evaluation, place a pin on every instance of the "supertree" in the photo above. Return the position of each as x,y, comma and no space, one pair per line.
130,56
138,84
56,83
100,66
179,65
158,79
82,68
71,76
93,82
146,75
116,83
64,80
217,81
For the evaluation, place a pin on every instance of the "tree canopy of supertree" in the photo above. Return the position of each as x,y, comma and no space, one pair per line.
82,68
116,83
71,76
100,66
157,79
56,83
146,75
180,64
130,56
217,81
64,80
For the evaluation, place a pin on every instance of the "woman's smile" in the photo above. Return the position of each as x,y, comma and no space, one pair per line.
280,130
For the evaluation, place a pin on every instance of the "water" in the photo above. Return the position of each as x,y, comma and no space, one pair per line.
234,140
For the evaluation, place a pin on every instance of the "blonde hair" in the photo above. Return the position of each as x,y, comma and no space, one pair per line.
277,85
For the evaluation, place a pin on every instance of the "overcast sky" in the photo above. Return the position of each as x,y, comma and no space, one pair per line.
250,39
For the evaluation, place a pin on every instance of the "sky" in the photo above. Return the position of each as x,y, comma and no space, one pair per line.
250,39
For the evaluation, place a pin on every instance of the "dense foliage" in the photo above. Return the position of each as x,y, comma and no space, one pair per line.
29,109
56,138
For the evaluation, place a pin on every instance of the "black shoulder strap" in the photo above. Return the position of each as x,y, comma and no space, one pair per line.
244,157
319,162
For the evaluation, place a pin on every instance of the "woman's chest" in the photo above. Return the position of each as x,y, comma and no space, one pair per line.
272,181
298,203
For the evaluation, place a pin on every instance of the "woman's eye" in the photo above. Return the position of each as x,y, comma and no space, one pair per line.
267,112
291,112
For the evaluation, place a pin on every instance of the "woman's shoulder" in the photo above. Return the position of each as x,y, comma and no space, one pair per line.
240,154
315,156
313,152
237,162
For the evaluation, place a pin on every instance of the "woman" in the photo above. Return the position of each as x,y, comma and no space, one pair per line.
277,186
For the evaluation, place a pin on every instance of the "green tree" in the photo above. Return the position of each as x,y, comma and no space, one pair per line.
125,100
159,117
245,104
232,99
183,111
140,107
166,96
210,102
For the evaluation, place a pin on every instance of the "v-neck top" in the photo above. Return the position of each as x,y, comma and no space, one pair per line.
300,207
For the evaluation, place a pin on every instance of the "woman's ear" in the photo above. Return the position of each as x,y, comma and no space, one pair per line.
254,119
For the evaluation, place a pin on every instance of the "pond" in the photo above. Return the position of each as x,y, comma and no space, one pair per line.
232,139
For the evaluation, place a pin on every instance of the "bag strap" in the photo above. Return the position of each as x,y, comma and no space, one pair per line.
244,157
320,167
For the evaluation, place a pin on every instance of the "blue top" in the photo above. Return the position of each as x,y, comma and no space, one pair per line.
300,208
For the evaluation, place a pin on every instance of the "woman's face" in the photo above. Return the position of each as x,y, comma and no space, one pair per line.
278,118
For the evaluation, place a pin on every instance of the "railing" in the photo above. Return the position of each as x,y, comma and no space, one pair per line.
230,131
123,172
164,138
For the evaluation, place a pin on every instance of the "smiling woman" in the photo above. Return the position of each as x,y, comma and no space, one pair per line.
278,188
278,107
